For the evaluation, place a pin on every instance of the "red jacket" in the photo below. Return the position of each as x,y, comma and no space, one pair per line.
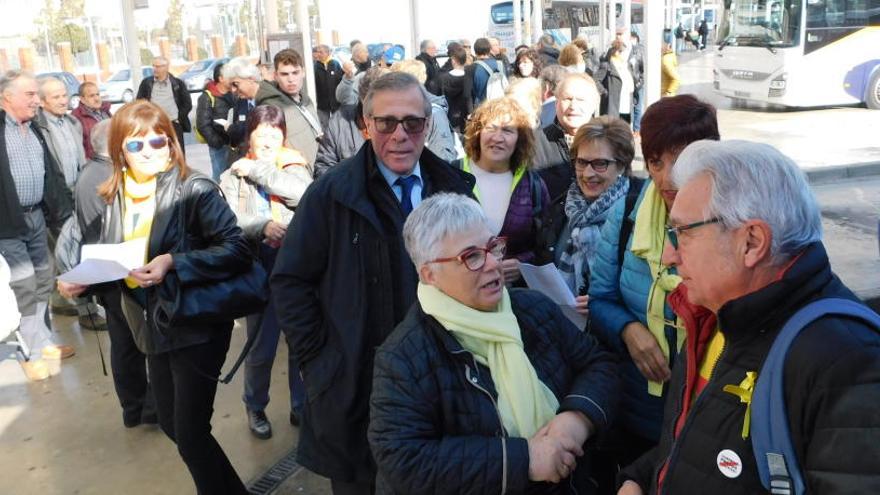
88,121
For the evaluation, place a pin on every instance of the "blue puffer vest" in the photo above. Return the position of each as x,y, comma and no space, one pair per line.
619,295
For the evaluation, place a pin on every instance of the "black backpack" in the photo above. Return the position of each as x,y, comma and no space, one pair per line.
626,227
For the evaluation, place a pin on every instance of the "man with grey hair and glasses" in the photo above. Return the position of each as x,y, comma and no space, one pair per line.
33,197
343,279
745,236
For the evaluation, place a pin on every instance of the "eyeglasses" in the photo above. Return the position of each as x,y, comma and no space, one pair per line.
672,232
136,145
234,84
599,164
474,259
412,125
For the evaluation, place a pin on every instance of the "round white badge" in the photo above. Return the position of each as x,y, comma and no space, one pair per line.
729,463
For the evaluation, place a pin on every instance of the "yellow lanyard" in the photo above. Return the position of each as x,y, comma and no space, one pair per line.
517,176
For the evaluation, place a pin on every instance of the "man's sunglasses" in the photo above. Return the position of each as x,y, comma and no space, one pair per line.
136,145
412,125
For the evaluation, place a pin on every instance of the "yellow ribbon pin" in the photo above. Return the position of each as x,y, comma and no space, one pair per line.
744,392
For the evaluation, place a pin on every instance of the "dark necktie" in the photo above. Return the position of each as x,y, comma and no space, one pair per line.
406,185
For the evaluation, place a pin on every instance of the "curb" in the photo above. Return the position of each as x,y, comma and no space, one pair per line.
823,175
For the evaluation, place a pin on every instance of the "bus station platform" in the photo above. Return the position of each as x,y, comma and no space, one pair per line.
65,435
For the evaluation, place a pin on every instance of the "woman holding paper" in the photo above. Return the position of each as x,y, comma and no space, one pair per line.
601,162
263,189
629,284
499,144
143,196
480,389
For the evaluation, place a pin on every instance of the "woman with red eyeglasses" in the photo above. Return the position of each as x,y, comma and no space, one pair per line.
143,195
481,389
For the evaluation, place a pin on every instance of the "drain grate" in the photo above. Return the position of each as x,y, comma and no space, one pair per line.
272,479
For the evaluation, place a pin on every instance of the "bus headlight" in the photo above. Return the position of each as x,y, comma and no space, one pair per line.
779,81
778,85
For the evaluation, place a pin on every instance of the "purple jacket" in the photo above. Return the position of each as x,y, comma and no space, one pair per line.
519,224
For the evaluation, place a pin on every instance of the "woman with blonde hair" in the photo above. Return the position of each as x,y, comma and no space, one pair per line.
499,144
149,189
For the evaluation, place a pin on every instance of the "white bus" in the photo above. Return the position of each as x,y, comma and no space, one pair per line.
565,20
800,53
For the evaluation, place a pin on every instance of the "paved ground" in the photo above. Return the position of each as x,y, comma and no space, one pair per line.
65,435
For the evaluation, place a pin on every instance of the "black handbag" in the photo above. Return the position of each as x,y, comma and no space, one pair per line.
211,301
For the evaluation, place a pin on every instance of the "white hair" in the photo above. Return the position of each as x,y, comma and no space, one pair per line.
10,76
437,218
45,81
100,137
755,181
241,68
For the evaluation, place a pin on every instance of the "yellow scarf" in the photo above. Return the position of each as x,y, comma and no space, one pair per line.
649,235
525,404
139,207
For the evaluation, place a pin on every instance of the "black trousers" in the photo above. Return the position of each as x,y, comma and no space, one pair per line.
185,403
128,363
178,129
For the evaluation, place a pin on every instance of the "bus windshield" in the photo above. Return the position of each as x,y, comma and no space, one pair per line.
769,23
502,13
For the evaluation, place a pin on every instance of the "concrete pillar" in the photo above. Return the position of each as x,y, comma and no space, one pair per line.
217,48
627,16
527,24
4,60
537,20
652,40
132,46
65,53
26,58
192,48
337,39
241,48
165,48
517,23
103,58
272,17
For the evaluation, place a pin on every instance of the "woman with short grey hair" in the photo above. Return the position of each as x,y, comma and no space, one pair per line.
497,387
752,180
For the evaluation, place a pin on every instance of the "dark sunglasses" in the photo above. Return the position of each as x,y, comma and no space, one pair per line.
474,259
672,232
136,145
599,164
412,125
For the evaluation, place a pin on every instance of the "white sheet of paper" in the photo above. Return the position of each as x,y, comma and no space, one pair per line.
547,280
106,262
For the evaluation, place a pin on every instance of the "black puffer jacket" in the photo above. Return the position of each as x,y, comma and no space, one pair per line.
832,391
552,159
434,426
213,105
219,249
342,282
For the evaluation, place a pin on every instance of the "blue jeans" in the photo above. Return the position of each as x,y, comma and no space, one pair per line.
258,365
637,110
219,161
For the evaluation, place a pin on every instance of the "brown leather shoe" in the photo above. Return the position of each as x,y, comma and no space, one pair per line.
58,351
36,370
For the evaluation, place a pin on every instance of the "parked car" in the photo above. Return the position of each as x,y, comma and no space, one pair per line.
120,88
200,73
70,81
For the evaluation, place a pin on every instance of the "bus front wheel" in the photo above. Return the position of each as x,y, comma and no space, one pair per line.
872,96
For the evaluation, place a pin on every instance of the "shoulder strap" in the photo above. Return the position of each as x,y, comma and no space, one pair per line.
777,463
627,225
484,65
